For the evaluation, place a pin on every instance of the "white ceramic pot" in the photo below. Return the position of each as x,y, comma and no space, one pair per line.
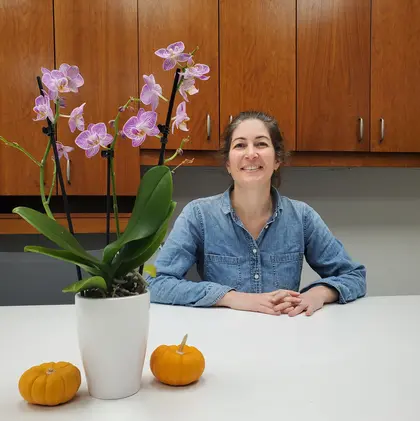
113,336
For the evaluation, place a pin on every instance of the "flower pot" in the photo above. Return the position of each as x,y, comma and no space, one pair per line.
113,335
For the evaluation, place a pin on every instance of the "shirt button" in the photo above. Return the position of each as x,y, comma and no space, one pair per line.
266,227
256,276
254,250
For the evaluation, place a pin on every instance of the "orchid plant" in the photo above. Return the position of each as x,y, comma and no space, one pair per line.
117,272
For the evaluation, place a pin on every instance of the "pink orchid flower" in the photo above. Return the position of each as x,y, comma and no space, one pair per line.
138,127
93,138
187,87
76,119
181,118
43,108
151,92
173,54
197,71
63,150
66,79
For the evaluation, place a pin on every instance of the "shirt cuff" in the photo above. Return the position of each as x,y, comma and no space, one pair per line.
341,289
214,293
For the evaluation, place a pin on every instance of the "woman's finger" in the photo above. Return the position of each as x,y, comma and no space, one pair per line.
268,310
310,310
293,300
298,309
282,306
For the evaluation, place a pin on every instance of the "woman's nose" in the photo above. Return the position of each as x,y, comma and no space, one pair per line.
251,152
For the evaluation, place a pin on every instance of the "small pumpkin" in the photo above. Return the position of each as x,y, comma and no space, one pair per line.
177,365
50,383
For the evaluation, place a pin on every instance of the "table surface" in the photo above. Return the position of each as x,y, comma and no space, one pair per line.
358,361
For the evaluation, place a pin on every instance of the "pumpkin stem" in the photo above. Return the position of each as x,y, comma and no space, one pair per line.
181,347
50,371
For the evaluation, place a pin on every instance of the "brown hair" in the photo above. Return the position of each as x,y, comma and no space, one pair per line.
272,126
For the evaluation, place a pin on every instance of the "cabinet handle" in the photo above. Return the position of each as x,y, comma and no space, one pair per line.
382,121
361,128
230,119
208,127
68,172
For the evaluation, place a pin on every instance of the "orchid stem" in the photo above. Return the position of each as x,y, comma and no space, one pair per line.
45,202
20,148
52,183
114,196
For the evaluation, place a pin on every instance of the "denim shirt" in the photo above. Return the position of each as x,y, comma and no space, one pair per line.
209,234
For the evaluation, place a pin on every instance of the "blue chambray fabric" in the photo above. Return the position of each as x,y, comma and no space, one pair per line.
209,234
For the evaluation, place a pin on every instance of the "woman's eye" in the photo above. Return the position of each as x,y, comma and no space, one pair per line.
239,145
263,144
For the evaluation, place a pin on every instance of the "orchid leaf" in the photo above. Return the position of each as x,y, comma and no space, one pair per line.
154,199
93,282
137,252
66,256
54,232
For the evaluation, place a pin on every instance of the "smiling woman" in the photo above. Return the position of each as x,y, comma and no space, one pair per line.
249,242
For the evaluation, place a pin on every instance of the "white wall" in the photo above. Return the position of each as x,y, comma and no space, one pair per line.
373,211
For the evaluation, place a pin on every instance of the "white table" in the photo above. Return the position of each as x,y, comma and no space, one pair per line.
359,361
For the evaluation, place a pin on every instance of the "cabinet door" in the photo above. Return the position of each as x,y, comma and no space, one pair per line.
333,61
257,61
194,22
100,37
26,45
395,76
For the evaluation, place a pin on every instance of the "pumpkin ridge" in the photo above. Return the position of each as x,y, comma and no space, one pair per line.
64,386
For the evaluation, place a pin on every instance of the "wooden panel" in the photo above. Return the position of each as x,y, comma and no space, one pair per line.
26,45
84,223
300,159
333,74
100,36
396,75
257,61
195,22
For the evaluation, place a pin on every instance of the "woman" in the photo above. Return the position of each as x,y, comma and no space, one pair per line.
249,242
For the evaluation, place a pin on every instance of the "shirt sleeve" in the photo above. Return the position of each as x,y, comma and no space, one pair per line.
326,255
177,256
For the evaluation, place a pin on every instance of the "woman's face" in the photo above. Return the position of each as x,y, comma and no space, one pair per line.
252,159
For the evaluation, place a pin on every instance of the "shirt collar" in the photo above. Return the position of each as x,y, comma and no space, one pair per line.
227,204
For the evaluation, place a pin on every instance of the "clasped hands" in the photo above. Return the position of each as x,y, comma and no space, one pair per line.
280,301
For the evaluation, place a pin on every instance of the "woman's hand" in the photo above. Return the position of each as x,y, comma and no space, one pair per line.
314,299
278,302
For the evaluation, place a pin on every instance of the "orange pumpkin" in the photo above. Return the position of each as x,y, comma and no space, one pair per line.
177,365
50,383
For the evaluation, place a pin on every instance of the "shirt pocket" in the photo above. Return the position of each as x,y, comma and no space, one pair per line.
287,270
224,270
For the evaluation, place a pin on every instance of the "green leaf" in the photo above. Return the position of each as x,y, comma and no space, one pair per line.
135,253
93,282
143,257
54,232
150,269
66,256
153,202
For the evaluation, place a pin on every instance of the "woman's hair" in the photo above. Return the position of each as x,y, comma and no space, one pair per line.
275,136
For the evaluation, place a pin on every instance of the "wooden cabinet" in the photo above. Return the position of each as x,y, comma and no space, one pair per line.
100,37
26,44
333,74
257,61
395,76
195,22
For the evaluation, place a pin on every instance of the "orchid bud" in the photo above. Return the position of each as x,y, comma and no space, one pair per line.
111,123
122,108
179,151
122,134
